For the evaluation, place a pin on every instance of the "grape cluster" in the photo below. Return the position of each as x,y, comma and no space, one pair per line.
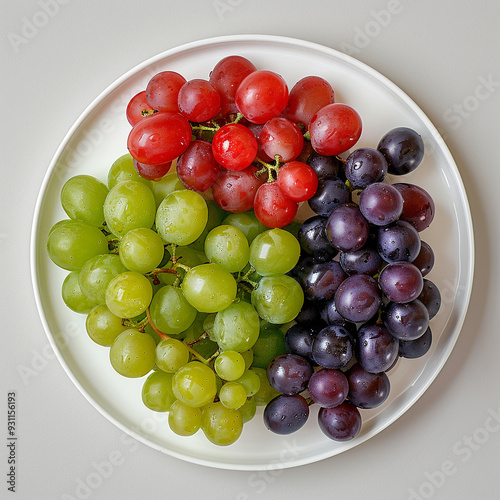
191,267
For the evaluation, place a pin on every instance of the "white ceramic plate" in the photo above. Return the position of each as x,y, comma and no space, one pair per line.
99,137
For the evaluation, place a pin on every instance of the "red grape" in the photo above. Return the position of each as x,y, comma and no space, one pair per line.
297,180
136,106
152,172
198,101
163,89
234,146
282,137
196,167
272,207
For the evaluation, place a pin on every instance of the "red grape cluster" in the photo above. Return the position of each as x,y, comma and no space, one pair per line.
240,134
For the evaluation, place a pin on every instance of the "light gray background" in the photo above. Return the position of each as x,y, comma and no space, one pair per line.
447,445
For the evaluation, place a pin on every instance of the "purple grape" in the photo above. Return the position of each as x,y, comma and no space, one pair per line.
401,282
406,321
357,299
286,413
366,260
425,259
332,347
299,340
398,242
377,349
430,297
313,240
331,193
289,373
364,167
381,204
340,423
367,390
418,205
403,149
309,314
325,167
328,387
330,315
347,229
417,348
321,280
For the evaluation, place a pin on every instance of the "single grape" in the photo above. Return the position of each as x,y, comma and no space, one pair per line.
366,260
403,149
325,167
133,354
184,420
406,321
228,247
281,137
229,365
377,349
401,282
152,172
340,423
250,381
416,348
297,180
367,390
328,388
222,426
430,297
162,90
194,384
286,414
364,166
425,259
232,395
234,146
381,204
398,242
299,340
141,250
346,228
103,326
357,298
332,347
331,193
73,295
272,207
157,394
171,355
198,101
289,373
418,208
320,281
137,108
313,241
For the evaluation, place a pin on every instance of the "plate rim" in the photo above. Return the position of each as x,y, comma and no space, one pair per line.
261,38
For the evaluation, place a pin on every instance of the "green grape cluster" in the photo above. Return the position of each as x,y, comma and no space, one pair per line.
187,296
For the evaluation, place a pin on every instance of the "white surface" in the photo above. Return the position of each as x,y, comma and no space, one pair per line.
444,55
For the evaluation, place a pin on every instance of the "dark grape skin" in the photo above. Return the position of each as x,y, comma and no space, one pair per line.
406,321
377,349
367,390
347,229
417,348
332,347
325,167
403,149
309,314
364,166
340,423
328,388
430,297
289,373
425,259
366,260
401,281
299,340
313,240
321,280
358,299
286,414
331,193
418,205
398,242
381,204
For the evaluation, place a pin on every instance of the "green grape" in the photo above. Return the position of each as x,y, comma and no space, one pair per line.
186,256
250,381
129,205
73,295
227,246
129,294
194,384
181,217
72,244
266,392
278,299
232,395
208,326
133,354
271,343
229,365
248,410
103,326
215,216
274,251
171,354
123,170
157,394
82,198
248,357
59,224
209,288
246,222
222,426
236,328
170,311
184,420
96,275
166,185
141,250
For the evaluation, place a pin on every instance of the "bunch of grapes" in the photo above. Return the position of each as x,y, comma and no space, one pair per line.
192,269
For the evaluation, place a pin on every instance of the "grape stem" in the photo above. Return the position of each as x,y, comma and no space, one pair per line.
163,336
203,336
140,325
271,169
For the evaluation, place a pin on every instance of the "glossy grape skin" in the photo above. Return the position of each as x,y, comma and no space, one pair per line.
325,167
357,298
289,373
398,242
334,129
152,172
366,260
313,240
103,326
272,207
286,414
403,149
340,423
228,247
299,340
184,420
347,229
381,204
198,100
246,222
162,90
328,388
364,166
330,315
430,297
401,282
416,348
122,170
270,344
234,146
367,390
166,185
157,394
171,355
82,198
229,365
141,250
251,381
321,280
73,296
194,384
406,321
297,180
279,136
332,347
221,426
425,259
331,193
136,106
133,354
377,349
418,207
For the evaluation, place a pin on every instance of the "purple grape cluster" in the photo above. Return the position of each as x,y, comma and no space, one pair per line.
368,301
